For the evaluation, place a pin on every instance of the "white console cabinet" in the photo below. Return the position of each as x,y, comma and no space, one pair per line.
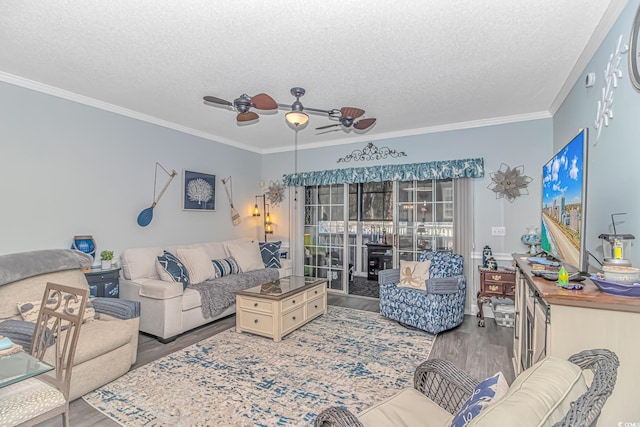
554,321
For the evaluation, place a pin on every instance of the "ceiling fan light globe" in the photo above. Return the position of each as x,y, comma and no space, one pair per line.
296,118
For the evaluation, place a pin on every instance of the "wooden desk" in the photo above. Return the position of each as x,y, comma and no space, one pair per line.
494,283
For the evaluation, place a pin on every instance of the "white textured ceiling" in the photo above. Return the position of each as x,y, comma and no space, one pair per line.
416,66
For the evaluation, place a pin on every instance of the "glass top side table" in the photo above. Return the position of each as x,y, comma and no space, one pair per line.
20,366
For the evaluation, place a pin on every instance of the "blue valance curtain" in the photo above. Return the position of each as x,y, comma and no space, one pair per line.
442,169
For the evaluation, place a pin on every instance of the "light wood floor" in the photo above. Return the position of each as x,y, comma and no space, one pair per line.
480,351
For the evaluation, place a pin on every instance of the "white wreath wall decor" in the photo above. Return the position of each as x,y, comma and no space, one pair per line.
509,182
275,193
611,76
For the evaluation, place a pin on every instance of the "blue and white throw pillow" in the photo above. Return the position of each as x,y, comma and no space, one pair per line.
171,269
225,266
485,394
270,252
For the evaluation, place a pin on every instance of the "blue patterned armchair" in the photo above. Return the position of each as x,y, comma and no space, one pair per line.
439,308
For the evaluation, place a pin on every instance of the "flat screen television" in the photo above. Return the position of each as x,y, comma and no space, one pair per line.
564,204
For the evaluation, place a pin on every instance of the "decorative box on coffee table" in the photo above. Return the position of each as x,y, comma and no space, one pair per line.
277,308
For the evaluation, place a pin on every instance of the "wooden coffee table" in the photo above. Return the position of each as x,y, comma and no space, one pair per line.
277,308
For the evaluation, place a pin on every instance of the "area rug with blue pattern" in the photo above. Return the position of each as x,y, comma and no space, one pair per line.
346,357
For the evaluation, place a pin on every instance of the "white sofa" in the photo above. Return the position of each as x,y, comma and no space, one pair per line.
166,310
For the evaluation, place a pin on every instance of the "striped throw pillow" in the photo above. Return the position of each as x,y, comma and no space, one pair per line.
225,266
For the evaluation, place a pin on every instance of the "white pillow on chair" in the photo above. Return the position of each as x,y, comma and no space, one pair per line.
414,274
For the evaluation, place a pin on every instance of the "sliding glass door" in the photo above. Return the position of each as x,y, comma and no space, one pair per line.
345,223
324,234
425,217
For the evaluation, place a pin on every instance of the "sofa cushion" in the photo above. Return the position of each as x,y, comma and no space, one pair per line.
414,274
214,250
96,338
270,252
486,393
171,269
32,289
140,263
198,264
225,266
540,396
190,299
159,289
29,310
246,254
408,408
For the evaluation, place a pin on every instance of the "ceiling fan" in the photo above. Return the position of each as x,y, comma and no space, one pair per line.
244,103
346,116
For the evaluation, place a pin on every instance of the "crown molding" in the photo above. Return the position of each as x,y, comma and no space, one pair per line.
422,131
92,102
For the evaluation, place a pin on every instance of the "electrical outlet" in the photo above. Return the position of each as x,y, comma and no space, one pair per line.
498,231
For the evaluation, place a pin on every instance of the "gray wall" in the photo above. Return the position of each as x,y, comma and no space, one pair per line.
613,175
68,169
524,143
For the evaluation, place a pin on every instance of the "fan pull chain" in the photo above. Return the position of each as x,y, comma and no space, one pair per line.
295,163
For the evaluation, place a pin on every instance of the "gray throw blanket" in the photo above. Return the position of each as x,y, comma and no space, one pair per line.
442,285
218,294
118,308
21,265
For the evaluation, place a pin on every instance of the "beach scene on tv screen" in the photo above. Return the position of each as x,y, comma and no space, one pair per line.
562,214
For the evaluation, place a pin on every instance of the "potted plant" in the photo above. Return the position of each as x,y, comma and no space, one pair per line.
107,259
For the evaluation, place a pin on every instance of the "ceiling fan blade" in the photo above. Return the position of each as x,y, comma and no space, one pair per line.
329,126
364,124
214,100
262,101
247,117
352,112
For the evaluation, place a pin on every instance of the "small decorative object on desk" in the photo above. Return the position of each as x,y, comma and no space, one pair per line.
572,286
107,259
622,289
531,239
486,253
492,263
563,276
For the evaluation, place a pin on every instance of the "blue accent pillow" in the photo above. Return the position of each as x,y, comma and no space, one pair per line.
270,252
173,269
225,266
486,393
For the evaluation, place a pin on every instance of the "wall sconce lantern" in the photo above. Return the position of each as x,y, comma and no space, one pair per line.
267,223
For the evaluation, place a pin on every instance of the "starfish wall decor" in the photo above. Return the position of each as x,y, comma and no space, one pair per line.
275,193
509,182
